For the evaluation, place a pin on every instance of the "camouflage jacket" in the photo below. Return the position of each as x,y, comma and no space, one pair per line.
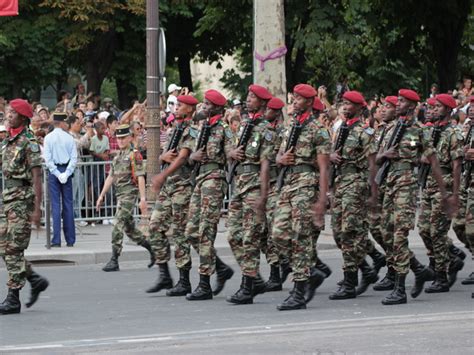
276,133
121,170
19,155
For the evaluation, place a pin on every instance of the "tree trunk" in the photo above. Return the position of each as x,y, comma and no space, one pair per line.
126,92
184,67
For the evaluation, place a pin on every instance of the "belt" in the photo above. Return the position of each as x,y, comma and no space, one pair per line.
446,170
349,169
247,168
62,165
209,167
301,168
10,183
400,166
184,170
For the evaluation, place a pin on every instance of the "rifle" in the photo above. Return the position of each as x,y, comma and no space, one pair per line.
174,141
468,165
395,139
243,141
340,141
291,143
425,169
202,143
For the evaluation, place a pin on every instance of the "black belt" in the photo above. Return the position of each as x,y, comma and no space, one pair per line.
401,166
184,170
205,168
247,168
62,165
10,183
301,168
446,170
349,169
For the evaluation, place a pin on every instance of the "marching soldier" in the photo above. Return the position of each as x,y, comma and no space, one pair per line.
247,208
469,181
398,157
173,185
433,222
21,167
354,162
300,199
213,146
127,174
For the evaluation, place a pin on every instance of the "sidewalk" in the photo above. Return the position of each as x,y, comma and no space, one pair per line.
93,246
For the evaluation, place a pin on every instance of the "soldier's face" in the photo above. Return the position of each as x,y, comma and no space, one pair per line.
208,108
429,113
403,106
471,111
301,103
271,114
439,110
124,142
388,112
253,102
14,119
349,109
183,110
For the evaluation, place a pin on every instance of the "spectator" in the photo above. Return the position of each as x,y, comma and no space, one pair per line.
137,137
90,107
323,96
110,107
80,94
60,155
237,105
112,123
3,132
434,90
173,91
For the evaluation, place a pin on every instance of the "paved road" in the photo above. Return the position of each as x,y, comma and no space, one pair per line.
86,310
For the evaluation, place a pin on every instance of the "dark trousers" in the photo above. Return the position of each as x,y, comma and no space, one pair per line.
62,194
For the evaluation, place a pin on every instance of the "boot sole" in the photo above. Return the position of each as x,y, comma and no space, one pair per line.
10,312
240,302
383,288
393,303
303,306
437,291
198,299
111,270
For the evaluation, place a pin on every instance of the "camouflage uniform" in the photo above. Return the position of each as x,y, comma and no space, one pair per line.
351,192
19,155
459,221
207,197
470,215
433,222
399,203
245,226
293,228
127,192
171,209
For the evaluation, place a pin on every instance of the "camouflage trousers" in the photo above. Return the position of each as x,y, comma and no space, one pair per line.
398,218
470,216
203,218
14,240
246,230
124,223
267,245
459,221
293,229
171,210
349,219
433,226
375,224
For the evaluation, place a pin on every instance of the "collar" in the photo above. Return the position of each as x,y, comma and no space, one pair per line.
255,116
352,121
214,119
273,124
441,124
13,132
303,117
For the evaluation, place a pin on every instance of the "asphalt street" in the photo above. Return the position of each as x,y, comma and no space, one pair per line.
86,310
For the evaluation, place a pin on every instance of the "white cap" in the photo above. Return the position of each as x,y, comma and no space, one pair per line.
173,87
236,102
103,115
2,128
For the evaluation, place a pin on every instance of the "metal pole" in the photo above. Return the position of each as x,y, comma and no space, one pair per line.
152,90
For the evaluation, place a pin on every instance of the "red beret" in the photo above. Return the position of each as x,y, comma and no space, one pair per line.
188,100
471,99
22,107
305,90
215,97
275,103
446,100
354,97
260,91
318,105
431,101
392,100
409,94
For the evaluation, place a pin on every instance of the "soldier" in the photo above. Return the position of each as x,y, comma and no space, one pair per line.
208,195
247,208
408,140
351,198
173,185
470,197
127,174
300,198
433,222
274,116
21,167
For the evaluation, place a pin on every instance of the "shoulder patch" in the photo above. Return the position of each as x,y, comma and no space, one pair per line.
228,133
369,130
193,132
269,136
325,133
34,147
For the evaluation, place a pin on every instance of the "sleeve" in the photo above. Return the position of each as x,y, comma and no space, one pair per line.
93,146
426,142
456,145
34,155
228,143
188,141
72,157
107,143
323,141
268,144
140,168
48,157
369,144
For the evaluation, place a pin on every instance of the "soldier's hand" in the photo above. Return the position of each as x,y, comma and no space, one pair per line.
424,160
372,202
237,153
319,210
470,154
157,182
99,203
199,156
451,205
169,156
287,158
391,153
143,207
36,217
260,206
336,157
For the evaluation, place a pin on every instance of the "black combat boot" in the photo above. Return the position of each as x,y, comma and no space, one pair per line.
369,276
113,264
183,287
285,271
245,294
12,303
455,266
387,283
274,281
468,280
203,291
440,284
258,285
147,246
432,266
323,268
38,285
164,279
296,299
347,289
379,260
224,273
456,251
316,278
422,275
398,295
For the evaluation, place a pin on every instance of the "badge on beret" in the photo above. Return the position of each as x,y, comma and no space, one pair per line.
34,147
369,130
228,133
269,136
